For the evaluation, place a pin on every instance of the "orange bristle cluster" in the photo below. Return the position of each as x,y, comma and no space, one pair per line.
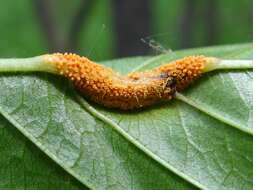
140,89
185,70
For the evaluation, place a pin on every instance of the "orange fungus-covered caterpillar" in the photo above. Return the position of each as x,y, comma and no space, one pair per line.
135,90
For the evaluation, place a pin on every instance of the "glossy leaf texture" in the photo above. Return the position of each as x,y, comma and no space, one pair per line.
203,142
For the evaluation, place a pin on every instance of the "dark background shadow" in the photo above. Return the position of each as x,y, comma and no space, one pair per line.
119,28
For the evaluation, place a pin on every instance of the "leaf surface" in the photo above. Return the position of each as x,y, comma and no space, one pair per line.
203,141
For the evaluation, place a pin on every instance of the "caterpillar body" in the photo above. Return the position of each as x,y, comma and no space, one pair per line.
135,90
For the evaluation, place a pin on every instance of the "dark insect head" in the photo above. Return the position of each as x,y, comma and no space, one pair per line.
171,82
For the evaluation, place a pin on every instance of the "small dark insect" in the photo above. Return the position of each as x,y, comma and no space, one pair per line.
171,82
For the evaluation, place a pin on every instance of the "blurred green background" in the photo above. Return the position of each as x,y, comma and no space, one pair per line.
106,29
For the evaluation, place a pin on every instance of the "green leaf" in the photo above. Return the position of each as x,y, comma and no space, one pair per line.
23,166
203,139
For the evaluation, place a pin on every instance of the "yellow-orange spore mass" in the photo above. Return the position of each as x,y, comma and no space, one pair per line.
185,70
108,88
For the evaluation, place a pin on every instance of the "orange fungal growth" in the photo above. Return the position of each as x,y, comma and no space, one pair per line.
139,89
185,70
